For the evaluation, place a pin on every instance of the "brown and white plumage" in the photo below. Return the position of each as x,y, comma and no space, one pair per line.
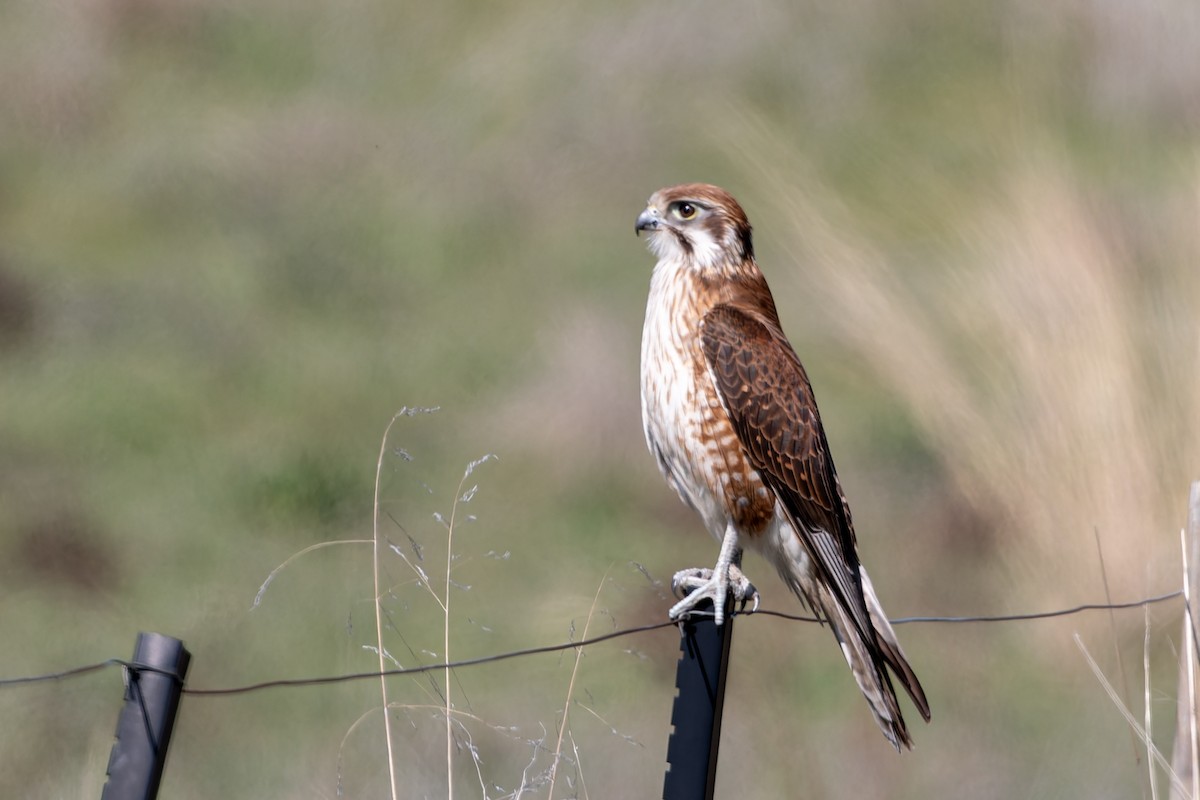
731,419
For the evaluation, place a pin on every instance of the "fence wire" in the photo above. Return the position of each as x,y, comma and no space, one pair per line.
85,669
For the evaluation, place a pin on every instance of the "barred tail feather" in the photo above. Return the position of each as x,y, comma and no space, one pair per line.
890,648
867,664
869,661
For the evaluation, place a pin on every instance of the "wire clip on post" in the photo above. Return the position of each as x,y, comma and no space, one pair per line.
699,700
153,683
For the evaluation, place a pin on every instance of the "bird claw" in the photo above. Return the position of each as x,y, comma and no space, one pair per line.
698,584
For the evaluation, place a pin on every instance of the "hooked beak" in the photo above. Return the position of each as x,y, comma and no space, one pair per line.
646,221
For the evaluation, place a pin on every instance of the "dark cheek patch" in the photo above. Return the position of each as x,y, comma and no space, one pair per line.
683,241
746,247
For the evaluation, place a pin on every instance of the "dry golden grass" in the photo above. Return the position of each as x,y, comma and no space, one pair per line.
1053,370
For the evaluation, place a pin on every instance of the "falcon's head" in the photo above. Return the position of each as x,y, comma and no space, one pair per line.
697,224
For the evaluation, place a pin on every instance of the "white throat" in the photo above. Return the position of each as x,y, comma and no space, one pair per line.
706,252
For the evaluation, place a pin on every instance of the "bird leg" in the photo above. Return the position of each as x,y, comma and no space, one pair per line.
695,585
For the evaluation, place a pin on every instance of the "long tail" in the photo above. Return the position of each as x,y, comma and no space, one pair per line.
869,661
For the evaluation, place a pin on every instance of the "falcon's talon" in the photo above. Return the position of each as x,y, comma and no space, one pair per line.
687,581
743,590
753,608
698,584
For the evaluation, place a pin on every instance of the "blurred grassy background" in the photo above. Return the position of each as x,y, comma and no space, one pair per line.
235,238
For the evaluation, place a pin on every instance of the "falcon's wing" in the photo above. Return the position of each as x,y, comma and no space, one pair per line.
769,400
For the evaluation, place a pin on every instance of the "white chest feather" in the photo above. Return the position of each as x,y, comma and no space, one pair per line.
686,427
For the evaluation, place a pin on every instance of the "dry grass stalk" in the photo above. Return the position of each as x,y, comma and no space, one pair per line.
1184,759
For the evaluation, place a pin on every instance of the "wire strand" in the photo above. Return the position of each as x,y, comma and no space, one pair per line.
1064,612
76,672
85,669
466,662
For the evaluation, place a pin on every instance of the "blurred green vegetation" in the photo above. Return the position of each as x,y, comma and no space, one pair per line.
236,238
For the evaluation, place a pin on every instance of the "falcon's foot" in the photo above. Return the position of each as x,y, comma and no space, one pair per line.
695,585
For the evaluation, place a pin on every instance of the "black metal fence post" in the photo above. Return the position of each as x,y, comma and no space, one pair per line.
699,700
153,685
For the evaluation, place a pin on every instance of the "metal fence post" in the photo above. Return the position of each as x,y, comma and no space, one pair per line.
699,700
154,681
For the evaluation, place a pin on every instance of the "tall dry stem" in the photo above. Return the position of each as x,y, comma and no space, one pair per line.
375,569
571,687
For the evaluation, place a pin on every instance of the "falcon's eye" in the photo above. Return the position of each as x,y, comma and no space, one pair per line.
684,211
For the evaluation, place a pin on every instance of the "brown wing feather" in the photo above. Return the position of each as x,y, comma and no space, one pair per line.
770,402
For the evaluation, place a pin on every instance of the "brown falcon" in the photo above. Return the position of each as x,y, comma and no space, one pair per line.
731,420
